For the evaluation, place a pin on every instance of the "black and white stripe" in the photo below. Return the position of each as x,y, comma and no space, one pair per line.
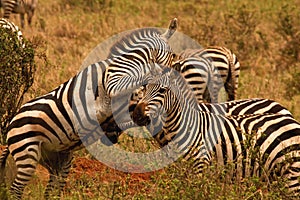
245,107
19,6
133,58
263,145
222,69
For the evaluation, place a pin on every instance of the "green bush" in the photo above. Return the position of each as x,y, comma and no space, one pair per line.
17,69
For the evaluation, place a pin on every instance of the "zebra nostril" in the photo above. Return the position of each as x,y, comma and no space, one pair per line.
139,115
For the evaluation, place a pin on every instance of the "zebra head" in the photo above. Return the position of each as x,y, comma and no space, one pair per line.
161,101
150,105
134,56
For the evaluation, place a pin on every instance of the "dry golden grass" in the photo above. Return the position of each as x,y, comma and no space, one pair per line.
69,29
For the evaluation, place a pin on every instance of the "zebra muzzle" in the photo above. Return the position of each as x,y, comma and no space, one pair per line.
110,138
139,115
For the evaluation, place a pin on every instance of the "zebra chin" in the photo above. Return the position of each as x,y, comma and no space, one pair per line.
139,115
110,138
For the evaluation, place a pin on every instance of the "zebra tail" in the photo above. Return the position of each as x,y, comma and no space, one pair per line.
230,83
3,158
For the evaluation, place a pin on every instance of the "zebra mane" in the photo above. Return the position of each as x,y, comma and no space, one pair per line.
132,40
177,84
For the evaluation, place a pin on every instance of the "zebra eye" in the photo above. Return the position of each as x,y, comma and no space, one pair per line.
162,89
174,56
177,66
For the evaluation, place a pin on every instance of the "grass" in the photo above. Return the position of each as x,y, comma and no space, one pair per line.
263,34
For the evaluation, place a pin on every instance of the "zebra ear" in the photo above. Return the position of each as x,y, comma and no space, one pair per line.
171,30
177,66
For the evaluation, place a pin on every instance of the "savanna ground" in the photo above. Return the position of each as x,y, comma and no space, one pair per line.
265,35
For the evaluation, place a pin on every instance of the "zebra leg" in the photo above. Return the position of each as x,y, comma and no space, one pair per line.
58,165
51,183
230,90
294,187
22,19
4,155
64,171
30,15
26,163
3,158
292,175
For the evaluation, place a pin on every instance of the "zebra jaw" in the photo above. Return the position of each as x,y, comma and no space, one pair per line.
140,116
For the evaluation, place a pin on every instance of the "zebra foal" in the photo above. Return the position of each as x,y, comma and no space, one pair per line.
21,7
204,136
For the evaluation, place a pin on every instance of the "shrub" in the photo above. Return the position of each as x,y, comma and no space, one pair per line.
17,69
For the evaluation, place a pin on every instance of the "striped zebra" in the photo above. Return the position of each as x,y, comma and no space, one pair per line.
49,128
19,6
262,145
236,107
4,23
224,69
133,58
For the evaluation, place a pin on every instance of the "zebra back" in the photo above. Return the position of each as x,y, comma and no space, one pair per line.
201,76
245,107
226,65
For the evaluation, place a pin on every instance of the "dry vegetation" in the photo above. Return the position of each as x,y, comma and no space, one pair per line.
265,35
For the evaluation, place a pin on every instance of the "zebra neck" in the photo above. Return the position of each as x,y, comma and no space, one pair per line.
191,128
90,103
182,127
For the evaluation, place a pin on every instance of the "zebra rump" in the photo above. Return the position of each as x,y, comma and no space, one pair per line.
222,66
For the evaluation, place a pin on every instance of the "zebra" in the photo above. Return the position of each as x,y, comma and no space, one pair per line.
4,23
262,145
236,107
202,76
49,128
19,6
224,69
133,58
